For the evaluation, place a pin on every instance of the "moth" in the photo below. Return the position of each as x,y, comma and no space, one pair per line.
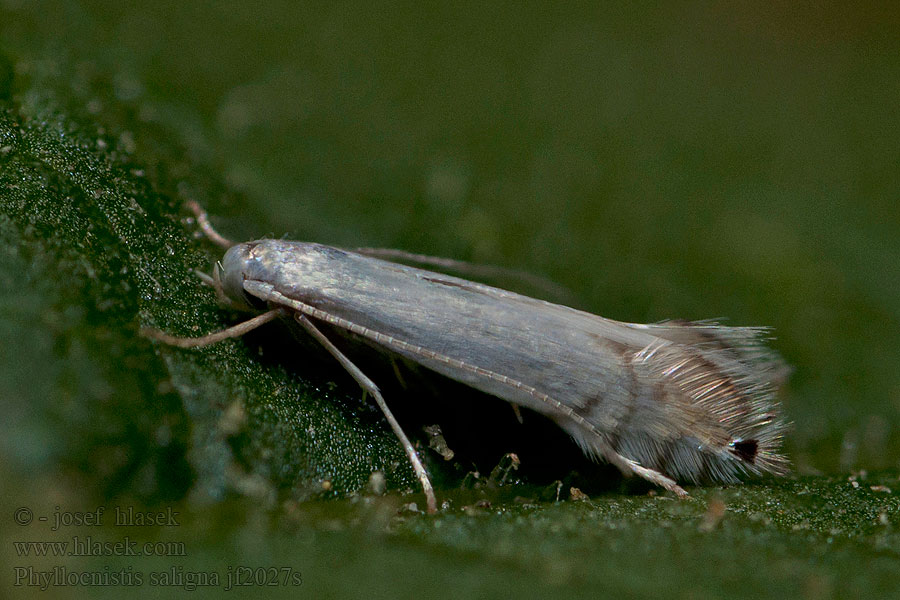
668,401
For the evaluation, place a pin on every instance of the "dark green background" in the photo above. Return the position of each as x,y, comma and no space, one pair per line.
700,160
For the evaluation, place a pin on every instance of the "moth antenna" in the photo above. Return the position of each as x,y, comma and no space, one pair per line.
475,270
206,227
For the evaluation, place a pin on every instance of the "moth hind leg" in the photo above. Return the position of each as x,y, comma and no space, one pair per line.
602,449
628,466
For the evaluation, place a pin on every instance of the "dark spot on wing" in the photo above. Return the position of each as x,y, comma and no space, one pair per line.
745,449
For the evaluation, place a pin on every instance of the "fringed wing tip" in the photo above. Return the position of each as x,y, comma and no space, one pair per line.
723,421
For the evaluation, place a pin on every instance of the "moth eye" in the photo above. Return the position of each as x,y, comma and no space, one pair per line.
745,449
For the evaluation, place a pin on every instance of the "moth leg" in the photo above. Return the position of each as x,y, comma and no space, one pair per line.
232,332
369,386
630,467
206,227
398,374
652,476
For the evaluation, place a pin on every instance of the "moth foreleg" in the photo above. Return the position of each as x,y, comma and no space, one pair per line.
369,386
205,340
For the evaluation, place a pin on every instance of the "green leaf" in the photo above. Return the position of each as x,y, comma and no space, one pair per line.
664,162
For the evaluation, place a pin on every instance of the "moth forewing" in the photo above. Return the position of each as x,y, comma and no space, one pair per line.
682,400
691,400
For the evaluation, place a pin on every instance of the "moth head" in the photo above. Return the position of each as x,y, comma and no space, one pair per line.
231,272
